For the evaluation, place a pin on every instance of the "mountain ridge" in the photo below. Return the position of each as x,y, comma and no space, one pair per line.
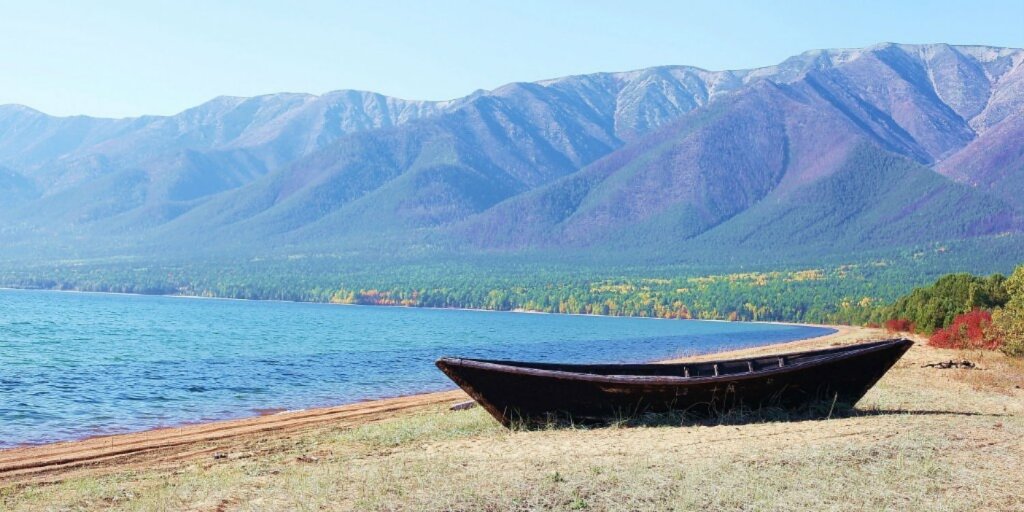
566,162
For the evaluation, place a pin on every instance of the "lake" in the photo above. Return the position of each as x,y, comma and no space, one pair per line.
74,365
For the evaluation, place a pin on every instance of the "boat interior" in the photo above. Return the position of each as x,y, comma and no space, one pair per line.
702,368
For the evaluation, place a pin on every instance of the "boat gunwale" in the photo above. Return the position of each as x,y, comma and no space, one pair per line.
846,353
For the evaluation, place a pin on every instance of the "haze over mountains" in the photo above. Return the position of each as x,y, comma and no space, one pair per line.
829,151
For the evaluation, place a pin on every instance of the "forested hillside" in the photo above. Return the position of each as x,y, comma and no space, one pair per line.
828,292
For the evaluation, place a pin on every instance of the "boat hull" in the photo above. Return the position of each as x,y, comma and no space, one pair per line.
539,395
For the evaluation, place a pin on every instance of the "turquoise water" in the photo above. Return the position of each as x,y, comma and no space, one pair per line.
74,365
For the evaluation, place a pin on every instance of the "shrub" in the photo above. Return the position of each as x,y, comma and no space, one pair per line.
933,307
899,325
1009,324
969,330
1009,320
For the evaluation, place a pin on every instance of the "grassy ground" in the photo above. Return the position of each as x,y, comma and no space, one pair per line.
923,439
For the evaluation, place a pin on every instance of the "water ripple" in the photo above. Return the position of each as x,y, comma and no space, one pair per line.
75,365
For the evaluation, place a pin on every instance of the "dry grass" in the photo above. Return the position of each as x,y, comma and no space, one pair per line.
923,439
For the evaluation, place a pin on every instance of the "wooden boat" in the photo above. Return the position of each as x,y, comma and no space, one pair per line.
524,393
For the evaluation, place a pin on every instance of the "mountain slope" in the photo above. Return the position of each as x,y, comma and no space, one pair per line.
874,199
763,144
993,162
161,164
442,169
15,188
674,158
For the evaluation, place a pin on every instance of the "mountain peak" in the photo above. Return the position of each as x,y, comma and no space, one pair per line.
17,108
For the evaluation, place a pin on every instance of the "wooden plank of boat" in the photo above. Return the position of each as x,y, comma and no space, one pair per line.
537,393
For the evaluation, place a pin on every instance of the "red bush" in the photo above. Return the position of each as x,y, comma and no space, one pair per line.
899,325
969,330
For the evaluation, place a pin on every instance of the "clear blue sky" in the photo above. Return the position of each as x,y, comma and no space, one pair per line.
121,58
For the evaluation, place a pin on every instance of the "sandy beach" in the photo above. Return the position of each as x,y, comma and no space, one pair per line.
981,411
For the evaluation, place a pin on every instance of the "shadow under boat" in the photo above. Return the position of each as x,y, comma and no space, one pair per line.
529,394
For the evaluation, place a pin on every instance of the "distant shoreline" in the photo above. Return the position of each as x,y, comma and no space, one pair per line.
435,308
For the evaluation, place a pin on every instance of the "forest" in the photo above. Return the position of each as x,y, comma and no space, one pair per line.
832,292
963,311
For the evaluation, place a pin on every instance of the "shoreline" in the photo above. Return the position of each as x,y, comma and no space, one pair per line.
836,330
164,445
243,414
518,311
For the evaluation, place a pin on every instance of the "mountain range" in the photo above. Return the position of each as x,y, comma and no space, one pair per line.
827,152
